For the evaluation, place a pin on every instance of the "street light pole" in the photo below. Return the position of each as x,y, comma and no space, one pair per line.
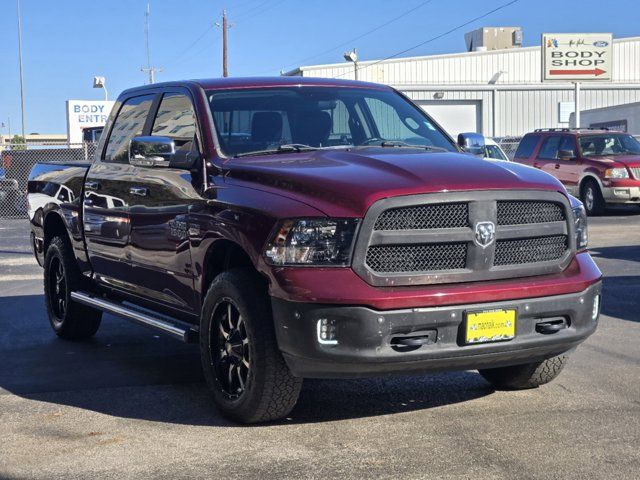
352,56
20,62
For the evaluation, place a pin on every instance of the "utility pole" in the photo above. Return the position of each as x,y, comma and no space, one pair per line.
225,27
20,61
150,68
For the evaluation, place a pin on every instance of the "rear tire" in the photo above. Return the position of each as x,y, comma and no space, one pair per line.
70,320
530,375
592,198
242,364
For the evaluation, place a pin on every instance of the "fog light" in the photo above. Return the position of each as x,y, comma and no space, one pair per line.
596,308
327,332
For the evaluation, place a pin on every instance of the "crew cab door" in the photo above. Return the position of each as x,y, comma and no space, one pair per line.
568,168
106,195
159,211
547,157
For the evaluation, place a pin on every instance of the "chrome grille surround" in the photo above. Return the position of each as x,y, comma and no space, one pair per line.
410,256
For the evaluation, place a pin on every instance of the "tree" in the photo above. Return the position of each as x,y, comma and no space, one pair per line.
18,143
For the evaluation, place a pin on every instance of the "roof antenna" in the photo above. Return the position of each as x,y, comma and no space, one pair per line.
152,71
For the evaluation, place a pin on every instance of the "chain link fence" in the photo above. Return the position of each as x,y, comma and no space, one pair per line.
16,161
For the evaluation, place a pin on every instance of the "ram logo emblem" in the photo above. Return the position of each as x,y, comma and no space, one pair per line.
485,233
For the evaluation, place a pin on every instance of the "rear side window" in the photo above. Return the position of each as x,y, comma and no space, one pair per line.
527,146
549,149
128,124
175,119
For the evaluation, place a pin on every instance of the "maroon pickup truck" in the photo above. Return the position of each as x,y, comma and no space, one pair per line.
601,167
313,228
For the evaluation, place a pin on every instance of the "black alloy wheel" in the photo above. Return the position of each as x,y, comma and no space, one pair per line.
58,288
232,361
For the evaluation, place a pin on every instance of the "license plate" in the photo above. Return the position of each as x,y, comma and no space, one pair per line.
490,326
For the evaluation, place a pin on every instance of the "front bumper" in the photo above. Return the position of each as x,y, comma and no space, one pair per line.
621,194
365,336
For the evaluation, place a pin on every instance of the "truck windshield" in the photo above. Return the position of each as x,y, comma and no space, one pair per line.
609,144
276,119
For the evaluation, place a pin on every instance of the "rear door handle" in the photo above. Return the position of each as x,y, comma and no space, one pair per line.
91,185
139,191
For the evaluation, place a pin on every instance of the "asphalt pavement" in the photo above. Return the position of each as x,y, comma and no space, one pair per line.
132,404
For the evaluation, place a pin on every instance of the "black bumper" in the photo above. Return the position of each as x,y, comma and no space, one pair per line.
372,342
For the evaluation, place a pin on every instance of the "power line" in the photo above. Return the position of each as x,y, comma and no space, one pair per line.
248,16
368,32
181,55
397,54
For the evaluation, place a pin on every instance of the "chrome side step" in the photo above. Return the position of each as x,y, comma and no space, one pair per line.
186,334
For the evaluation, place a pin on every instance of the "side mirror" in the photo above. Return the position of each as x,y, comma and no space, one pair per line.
151,151
566,155
472,142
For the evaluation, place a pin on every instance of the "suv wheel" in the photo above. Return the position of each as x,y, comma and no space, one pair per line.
592,199
242,364
530,375
70,320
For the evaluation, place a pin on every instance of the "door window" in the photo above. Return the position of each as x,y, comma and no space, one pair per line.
549,149
567,143
128,124
176,119
527,146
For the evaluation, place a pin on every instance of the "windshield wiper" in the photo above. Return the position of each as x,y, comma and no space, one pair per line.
286,148
398,143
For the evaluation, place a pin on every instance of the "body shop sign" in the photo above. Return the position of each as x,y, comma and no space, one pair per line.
85,113
576,57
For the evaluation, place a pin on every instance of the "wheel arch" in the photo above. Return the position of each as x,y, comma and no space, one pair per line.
52,226
586,178
221,256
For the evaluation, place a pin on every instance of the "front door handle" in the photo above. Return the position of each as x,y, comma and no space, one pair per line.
139,191
91,186
557,166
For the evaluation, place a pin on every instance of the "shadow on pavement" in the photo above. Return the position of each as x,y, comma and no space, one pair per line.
616,298
104,375
622,252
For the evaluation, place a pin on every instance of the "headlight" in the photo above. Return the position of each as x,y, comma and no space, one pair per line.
325,242
580,222
616,173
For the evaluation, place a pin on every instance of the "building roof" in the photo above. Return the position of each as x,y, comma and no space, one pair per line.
298,70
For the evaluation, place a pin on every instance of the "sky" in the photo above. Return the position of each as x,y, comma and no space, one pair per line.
67,42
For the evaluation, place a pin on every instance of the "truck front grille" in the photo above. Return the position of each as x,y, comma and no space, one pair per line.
437,238
635,171
446,215
524,212
530,250
417,258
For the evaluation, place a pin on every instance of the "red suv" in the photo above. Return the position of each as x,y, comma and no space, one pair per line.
601,167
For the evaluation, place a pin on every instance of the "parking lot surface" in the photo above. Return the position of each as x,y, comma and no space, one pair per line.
132,404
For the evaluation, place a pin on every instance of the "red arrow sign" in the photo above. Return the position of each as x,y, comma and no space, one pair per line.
595,71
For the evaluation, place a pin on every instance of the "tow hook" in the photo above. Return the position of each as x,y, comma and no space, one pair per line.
549,327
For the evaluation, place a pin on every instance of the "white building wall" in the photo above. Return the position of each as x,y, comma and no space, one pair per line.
522,102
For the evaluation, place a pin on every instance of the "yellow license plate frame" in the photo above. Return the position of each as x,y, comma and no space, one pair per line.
487,326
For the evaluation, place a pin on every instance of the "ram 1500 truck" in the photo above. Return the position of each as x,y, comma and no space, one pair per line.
315,228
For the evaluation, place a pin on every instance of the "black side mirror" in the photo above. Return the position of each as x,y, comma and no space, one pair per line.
472,142
184,160
566,155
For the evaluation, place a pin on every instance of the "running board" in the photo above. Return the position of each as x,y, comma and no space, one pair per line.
186,334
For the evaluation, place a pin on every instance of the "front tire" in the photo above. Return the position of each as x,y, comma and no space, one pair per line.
70,320
242,364
530,375
592,199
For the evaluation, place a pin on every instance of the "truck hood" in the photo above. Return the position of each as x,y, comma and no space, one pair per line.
632,161
344,183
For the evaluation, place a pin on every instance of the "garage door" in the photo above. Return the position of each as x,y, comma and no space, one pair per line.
455,116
